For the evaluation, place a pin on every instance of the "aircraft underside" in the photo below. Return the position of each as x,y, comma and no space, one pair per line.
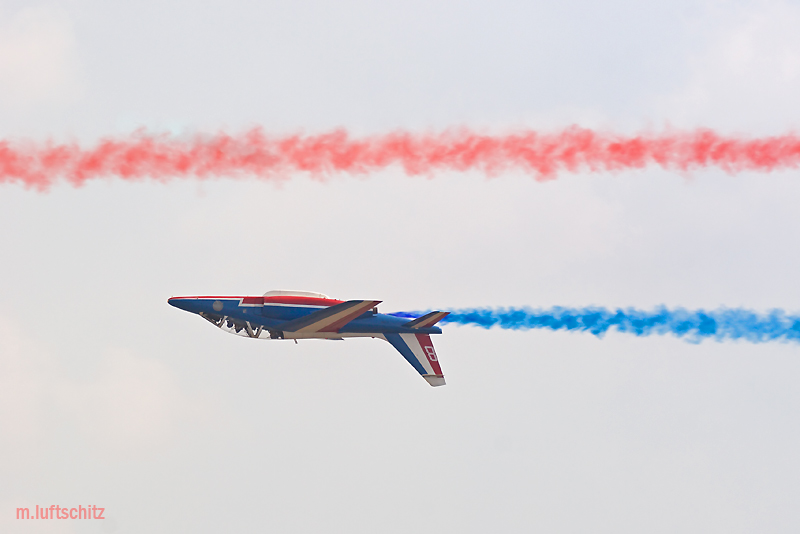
257,331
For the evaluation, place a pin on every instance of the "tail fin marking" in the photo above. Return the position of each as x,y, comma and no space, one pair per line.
418,350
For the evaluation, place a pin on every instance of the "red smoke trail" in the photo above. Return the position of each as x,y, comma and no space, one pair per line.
544,155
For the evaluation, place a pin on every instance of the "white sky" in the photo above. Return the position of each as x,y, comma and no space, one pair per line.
108,396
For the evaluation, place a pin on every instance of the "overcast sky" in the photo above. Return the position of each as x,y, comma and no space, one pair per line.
109,396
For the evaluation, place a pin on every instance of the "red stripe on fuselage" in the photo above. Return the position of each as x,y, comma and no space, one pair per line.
258,301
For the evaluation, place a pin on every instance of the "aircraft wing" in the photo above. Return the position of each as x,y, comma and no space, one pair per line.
330,319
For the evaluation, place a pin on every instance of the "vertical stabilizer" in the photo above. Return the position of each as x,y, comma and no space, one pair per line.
418,350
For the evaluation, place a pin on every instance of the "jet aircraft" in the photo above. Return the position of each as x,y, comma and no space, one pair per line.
297,315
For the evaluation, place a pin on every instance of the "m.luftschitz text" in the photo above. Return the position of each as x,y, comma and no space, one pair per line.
62,512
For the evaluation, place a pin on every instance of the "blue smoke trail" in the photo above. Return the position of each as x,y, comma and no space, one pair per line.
693,326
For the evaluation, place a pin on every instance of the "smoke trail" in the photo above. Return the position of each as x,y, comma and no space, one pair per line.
255,153
694,326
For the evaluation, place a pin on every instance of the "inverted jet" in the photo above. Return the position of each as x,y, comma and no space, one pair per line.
307,315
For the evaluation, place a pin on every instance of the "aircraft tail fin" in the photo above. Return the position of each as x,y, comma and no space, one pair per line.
429,319
418,350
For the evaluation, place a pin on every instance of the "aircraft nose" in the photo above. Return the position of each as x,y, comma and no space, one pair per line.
181,303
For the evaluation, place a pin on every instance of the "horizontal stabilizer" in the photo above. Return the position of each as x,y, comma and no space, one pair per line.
429,319
329,319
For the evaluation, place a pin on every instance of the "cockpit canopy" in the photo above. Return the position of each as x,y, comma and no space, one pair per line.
293,293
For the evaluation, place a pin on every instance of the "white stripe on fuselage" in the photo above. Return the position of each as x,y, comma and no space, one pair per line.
329,335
